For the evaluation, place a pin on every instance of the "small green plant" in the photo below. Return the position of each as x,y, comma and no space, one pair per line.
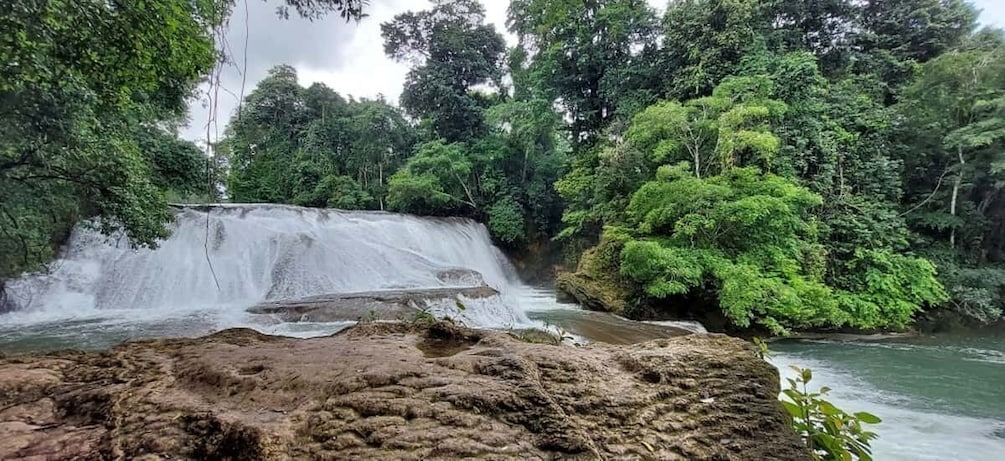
829,432
762,349
371,317
423,317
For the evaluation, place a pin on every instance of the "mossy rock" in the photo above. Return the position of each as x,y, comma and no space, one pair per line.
596,284
593,294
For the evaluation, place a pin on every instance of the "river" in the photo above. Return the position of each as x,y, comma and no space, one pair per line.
940,397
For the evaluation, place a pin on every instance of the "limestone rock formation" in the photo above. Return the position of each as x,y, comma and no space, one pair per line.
390,391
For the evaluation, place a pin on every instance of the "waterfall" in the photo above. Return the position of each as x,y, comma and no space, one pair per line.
240,255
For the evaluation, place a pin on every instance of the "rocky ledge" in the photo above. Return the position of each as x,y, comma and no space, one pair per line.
371,305
383,391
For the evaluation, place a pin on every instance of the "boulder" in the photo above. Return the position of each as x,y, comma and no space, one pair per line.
596,284
460,277
395,391
592,293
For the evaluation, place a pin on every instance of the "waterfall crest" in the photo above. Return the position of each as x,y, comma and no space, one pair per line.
265,253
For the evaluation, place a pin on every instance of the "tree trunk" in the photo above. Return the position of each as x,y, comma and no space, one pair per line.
526,158
471,199
380,172
956,194
697,164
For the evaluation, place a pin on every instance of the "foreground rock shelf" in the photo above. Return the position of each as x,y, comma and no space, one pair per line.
383,391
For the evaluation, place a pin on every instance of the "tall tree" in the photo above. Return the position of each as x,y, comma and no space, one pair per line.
382,140
895,35
593,56
823,28
704,41
264,139
452,52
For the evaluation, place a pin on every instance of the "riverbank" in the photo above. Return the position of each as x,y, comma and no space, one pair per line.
593,287
395,391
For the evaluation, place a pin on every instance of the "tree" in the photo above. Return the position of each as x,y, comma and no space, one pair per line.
955,163
437,180
594,57
316,9
751,236
895,36
823,28
750,240
452,52
730,127
836,140
381,142
178,167
291,144
704,42
264,139
531,157
72,100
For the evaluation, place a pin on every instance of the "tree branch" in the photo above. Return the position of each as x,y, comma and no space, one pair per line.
930,196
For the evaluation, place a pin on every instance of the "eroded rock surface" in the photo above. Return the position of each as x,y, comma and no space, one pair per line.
395,391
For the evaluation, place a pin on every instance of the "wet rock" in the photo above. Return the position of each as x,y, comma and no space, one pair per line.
373,305
390,391
461,277
595,284
591,293
606,327
7,303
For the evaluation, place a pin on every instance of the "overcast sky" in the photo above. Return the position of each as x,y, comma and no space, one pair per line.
348,57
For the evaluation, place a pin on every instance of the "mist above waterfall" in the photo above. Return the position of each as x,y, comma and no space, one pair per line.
240,255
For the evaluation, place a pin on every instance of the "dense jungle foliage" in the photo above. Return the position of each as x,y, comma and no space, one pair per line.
790,163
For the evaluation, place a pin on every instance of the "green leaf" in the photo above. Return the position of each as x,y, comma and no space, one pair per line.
792,409
828,409
867,418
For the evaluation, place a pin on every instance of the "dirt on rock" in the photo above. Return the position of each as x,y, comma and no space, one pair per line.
390,391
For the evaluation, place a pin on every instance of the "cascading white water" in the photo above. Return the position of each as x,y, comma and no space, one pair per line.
265,252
